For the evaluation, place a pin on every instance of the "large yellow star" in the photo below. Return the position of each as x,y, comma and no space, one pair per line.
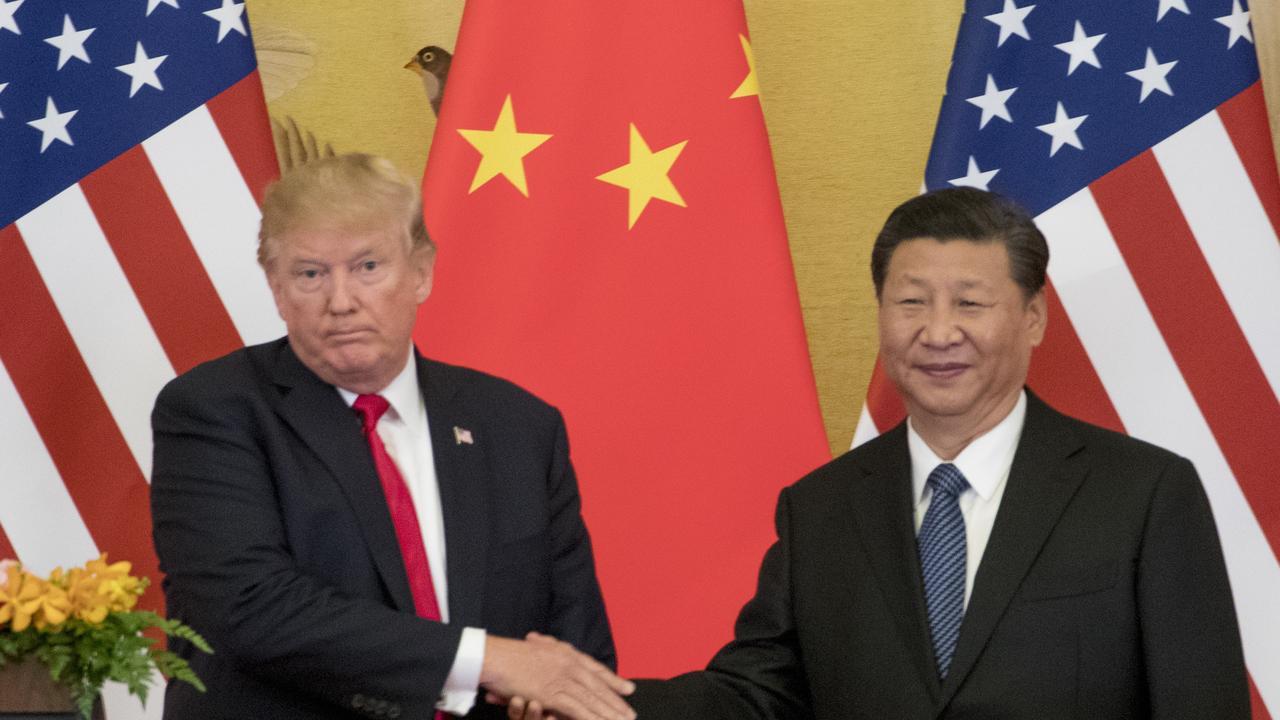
502,150
645,176
750,86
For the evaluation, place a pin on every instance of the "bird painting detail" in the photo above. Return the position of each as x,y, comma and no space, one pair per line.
295,146
431,63
286,58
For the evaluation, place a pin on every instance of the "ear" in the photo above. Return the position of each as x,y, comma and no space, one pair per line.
423,262
1037,317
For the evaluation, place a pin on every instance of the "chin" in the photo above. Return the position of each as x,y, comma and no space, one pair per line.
353,367
942,405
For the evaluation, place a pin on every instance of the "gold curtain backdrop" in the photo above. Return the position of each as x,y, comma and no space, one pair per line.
850,93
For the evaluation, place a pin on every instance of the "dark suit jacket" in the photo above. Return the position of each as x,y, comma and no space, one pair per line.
1101,594
277,544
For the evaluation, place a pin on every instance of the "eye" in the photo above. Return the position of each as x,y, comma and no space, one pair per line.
911,301
308,279
428,57
369,265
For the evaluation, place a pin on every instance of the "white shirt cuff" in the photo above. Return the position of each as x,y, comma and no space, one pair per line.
459,693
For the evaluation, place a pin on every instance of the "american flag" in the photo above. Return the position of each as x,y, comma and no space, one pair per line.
134,146
1136,133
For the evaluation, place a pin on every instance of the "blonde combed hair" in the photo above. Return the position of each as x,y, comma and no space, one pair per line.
353,191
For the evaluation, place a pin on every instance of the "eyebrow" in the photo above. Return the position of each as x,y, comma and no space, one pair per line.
355,257
305,261
964,284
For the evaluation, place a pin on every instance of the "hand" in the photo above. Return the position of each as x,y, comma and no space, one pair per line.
546,678
519,709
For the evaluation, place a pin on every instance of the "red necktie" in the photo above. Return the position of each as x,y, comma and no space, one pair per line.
405,518
403,514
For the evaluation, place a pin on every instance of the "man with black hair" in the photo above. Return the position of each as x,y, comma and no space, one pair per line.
989,557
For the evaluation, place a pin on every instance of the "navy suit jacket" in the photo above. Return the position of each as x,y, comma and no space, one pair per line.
1101,594
277,544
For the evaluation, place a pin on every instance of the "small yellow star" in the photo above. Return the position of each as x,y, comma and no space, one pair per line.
502,150
645,176
750,86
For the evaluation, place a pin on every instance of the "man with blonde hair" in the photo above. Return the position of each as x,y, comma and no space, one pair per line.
360,531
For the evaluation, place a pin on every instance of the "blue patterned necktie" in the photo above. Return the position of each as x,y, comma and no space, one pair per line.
942,558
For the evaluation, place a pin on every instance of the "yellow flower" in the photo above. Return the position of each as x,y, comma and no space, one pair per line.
50,608
100,588
19,589
88,594
118,588
123,593
21,598
86,602
105,570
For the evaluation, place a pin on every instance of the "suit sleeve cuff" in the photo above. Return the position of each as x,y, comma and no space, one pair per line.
459,693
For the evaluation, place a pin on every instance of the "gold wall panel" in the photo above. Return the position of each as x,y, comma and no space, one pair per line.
337,70
851,93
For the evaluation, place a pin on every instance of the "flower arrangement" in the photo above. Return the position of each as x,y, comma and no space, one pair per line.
82,625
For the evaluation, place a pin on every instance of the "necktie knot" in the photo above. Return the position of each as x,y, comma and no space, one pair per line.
371,409
947,479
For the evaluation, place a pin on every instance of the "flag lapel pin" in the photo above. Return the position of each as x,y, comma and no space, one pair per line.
462,436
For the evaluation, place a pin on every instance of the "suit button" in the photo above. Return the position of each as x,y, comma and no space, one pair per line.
357,702
393,712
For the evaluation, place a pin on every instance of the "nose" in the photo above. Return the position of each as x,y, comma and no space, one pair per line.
342,299
941,327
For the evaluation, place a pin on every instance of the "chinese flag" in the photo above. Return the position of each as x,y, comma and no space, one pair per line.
610,237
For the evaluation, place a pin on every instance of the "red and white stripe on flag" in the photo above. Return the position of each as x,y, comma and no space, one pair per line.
139,271
1165,285
128,215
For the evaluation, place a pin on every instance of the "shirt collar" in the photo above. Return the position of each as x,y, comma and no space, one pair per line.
402,392
985,462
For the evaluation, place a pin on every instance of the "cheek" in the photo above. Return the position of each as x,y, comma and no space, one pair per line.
278,295
300,314
1005,353
992,335
287,309
895,337
394,311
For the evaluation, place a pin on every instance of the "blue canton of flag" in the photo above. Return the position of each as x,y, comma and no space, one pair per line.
84,81
1046,97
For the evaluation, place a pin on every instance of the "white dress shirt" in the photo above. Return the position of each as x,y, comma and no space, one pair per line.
985,463
406,434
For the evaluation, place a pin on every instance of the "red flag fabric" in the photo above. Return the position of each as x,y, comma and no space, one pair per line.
602,193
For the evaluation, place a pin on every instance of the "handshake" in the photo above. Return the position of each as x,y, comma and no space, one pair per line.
541,677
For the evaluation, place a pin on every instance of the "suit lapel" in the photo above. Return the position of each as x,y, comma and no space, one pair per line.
331,430
461,477
1042,481
890,542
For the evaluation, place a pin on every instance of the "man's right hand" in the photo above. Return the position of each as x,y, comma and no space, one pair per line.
560,679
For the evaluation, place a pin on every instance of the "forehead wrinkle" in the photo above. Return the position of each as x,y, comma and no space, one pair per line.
962,283
303,254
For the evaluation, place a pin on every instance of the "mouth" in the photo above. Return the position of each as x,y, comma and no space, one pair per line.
942,371
346,334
